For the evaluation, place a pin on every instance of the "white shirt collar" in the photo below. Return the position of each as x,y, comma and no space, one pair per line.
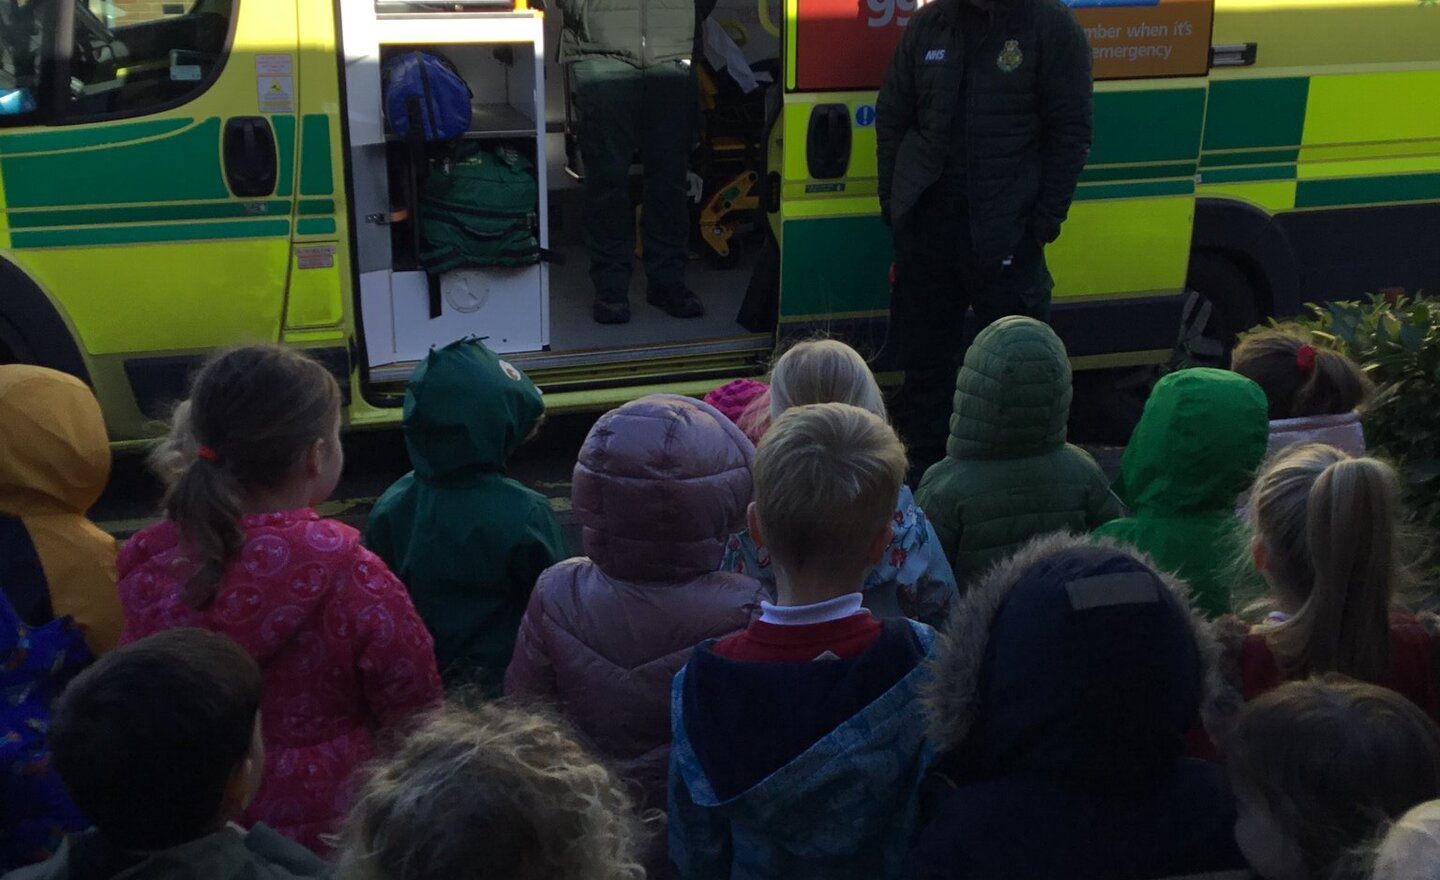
837,608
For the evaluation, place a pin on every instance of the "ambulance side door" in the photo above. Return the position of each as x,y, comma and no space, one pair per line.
148,169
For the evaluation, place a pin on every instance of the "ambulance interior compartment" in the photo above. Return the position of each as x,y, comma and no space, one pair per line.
541,314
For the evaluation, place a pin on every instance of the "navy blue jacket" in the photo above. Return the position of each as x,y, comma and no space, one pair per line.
1061,702
799,770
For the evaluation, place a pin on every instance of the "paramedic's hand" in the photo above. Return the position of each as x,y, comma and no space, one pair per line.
1046,230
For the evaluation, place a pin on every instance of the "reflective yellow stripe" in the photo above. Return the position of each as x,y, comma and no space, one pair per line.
4,218
822,317
1071,299
296,337
809,209
825,189
1373,107
792,17
1273,196
851,98
1367,168
1370,150
1123,359
795,122
1155,233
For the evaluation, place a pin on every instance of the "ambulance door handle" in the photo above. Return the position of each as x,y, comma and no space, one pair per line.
251,164
827,144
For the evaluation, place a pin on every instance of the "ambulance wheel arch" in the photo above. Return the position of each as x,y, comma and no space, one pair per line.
1242,271
1222,303
32,330
1253,240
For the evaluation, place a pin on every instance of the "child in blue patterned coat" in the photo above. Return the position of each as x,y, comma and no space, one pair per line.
913,578
35,664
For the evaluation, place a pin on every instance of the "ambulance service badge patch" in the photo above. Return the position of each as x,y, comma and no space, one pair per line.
1010,57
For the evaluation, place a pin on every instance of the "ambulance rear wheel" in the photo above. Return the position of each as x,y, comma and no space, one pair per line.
1220,305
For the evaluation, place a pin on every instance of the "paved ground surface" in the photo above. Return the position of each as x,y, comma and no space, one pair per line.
375,459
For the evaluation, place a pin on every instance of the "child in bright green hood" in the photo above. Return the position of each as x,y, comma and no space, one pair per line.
467,540
1195,451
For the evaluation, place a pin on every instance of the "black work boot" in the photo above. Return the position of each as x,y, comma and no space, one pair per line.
677,300
612,308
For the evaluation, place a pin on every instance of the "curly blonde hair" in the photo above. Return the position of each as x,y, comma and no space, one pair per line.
487,792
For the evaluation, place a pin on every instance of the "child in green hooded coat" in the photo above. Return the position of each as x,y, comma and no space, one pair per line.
1195,451
467,540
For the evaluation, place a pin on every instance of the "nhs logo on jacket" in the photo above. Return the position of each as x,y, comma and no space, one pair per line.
935,56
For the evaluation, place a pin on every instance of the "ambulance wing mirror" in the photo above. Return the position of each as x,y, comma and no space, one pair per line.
827,145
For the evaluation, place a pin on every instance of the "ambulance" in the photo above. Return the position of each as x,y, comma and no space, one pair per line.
177,175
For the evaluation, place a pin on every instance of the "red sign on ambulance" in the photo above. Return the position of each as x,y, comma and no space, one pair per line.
845,45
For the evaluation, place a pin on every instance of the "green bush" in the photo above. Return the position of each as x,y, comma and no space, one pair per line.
1397,341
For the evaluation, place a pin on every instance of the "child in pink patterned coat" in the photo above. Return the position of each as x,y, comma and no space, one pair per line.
343,653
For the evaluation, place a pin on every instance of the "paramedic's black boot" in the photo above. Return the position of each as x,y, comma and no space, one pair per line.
677,300
612,309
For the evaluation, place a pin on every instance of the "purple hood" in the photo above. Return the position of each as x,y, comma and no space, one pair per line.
660,485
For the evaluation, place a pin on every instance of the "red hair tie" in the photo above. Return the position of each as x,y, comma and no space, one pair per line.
1305,359
205,453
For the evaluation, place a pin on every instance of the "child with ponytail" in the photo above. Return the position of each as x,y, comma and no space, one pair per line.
1314,392
1326,542
241,552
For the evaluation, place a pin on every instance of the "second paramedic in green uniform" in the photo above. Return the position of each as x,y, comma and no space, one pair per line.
635,91
984,124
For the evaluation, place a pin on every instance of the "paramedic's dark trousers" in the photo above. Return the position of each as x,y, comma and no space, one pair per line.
624,109
937,280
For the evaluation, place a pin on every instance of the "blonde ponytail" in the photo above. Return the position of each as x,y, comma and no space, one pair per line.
1328,524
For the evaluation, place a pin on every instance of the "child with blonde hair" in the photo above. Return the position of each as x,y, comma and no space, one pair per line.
1326,542
798,750
913,578
492,792
1411,848
1315,392
1319,769
242,552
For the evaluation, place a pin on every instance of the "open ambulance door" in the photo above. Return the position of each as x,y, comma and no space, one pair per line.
540,316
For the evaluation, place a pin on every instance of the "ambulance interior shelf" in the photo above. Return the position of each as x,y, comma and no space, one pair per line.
492,121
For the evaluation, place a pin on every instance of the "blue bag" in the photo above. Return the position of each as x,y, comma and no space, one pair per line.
425,98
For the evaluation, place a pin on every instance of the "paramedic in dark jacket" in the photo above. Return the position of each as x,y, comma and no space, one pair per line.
635,91
984,124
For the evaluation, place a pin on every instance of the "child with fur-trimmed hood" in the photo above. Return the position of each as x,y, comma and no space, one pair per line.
1061,700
